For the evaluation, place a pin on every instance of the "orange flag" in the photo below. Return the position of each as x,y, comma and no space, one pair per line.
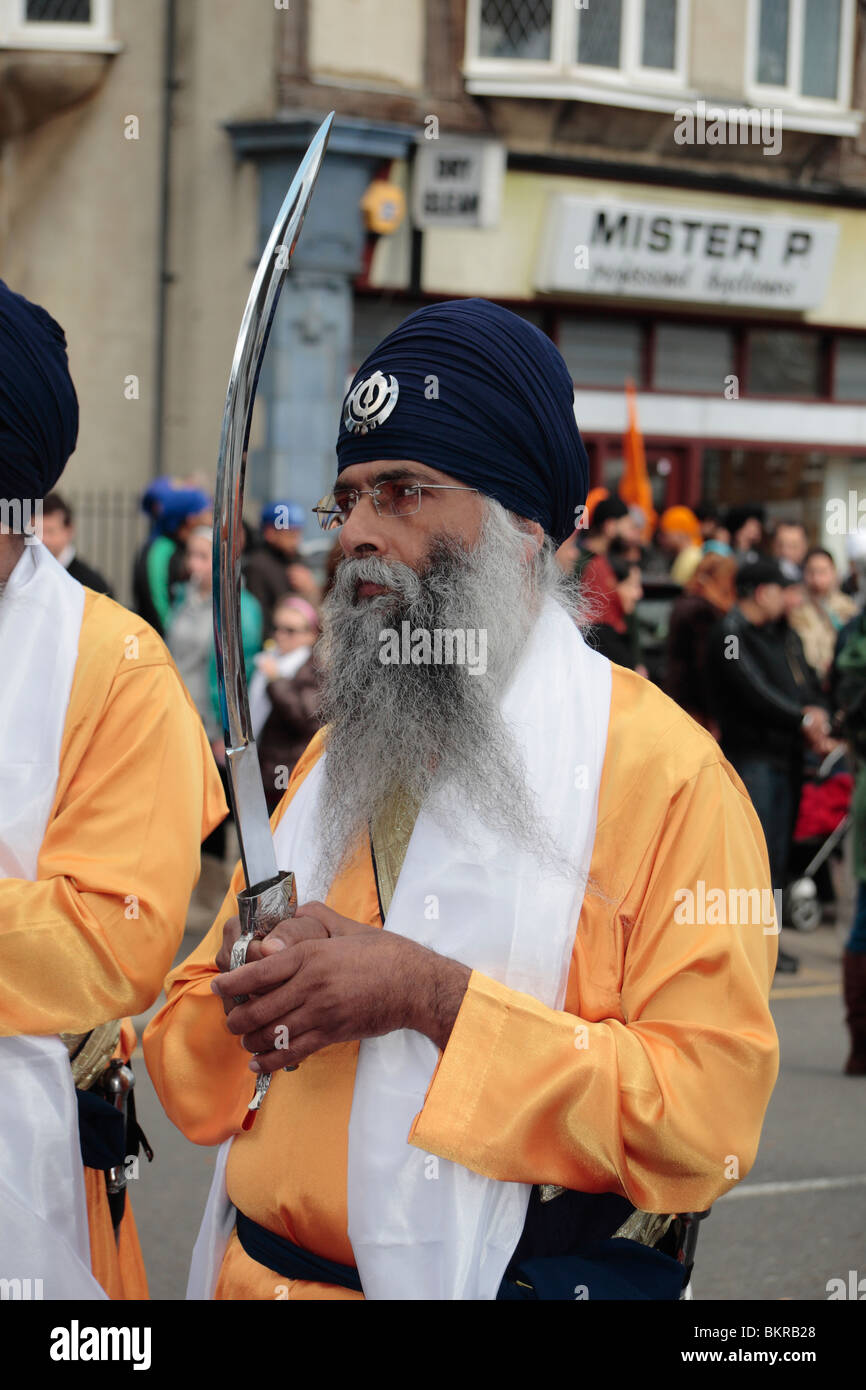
634,485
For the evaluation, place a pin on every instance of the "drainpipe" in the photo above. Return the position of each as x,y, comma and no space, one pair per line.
164,277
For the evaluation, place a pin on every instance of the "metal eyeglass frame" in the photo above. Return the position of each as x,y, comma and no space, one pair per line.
323,512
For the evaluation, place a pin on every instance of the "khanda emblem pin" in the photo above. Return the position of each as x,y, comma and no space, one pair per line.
370,403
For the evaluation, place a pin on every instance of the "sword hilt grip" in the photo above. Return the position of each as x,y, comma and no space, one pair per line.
260,909
263,905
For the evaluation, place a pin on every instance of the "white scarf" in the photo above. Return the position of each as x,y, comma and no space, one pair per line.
503,914
43,1212
288,665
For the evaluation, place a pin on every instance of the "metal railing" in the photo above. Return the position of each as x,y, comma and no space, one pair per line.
109,529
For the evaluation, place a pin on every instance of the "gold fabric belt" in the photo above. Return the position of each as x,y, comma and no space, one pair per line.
390,836
90,1053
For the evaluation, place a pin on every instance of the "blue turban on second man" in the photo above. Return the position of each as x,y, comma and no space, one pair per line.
38,404
485,396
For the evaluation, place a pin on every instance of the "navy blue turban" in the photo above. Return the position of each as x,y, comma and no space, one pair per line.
482,395
38,405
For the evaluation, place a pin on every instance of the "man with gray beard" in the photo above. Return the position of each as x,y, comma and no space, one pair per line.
514,1071
397,730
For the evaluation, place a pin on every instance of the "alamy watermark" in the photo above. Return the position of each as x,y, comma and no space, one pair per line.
23,1290
21,516
720,125
845,516
729,907
444,646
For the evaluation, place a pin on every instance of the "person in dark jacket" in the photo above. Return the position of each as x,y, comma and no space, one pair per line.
709,594
274,567
58,535
284,695
762,708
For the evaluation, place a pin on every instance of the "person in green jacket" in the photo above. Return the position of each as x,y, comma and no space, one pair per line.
160,567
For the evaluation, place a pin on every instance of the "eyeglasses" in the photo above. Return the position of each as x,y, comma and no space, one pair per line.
389,499
290,631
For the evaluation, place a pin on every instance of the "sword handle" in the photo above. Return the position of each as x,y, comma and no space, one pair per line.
260,908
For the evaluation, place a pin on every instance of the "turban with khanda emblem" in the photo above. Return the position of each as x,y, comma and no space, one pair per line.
38,404
477,392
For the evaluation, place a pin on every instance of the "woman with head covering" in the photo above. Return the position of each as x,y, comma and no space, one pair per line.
824,611
708,595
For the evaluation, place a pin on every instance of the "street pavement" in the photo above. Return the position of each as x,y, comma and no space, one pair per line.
796,1221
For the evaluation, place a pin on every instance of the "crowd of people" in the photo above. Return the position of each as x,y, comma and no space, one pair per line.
280,599
762,649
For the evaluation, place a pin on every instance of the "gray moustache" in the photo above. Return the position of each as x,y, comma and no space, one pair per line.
400,579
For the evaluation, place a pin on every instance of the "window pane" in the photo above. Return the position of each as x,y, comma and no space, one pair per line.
773,43
58,11
373,318
784,362
850,369
659,34
601,352
598,34
692,358
821,48
515,29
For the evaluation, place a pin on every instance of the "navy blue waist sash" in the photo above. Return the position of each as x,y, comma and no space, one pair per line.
608,1269
293,1262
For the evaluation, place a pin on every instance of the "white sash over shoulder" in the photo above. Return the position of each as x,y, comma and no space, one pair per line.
499,910
43,1214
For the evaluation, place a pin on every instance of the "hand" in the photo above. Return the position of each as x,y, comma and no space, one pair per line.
825,745
815,733
312,921
268,666
358,982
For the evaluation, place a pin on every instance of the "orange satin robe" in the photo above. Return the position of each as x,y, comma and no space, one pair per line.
91,939
657,1071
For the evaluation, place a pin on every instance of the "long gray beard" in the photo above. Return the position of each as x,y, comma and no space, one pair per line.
415,729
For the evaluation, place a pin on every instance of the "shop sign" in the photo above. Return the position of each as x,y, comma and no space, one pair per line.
706,255
458,183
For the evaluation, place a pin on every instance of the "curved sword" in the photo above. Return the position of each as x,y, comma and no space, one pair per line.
242,764
270,894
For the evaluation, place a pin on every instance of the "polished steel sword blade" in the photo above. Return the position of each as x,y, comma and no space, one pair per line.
245,782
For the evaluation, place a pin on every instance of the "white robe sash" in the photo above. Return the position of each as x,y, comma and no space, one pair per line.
43,1212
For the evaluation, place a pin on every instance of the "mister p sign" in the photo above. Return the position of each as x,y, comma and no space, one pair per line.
713,256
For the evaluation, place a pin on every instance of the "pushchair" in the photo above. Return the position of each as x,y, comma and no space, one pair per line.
822,822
